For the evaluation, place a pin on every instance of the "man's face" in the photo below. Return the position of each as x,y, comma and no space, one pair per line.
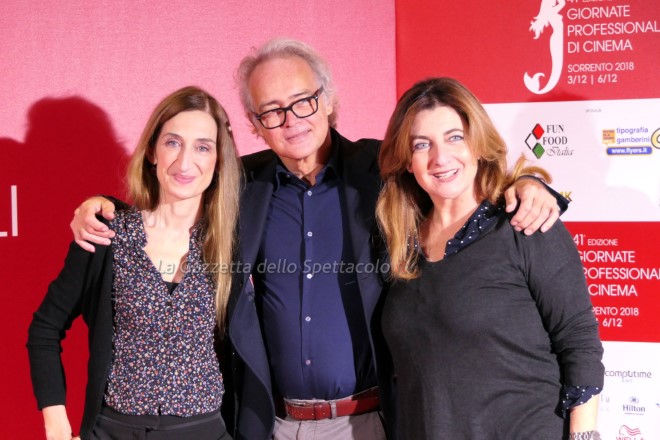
277,83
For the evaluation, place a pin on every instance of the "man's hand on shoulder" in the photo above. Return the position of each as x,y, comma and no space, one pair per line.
538,207
87,229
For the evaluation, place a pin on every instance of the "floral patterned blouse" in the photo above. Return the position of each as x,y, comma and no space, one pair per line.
164,362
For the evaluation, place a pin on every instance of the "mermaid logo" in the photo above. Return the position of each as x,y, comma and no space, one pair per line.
548,15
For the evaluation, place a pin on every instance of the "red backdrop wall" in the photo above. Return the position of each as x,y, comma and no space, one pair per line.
79,80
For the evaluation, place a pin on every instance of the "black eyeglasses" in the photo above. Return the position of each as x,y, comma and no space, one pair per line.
302,108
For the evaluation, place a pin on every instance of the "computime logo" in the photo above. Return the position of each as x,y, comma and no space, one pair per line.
549,139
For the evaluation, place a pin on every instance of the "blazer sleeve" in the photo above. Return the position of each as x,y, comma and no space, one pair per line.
60,307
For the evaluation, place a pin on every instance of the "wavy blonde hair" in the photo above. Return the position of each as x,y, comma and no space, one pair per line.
220,199
403,205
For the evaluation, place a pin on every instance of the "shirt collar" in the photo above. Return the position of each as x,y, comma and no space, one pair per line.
330,171
481,220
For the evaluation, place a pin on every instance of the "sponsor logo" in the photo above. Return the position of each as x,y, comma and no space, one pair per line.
655,139
633,407
629,151
548,17
629,375
604,404
630,141
548,139
609,136
628,433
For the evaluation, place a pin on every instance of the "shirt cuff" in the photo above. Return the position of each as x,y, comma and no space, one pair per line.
572,396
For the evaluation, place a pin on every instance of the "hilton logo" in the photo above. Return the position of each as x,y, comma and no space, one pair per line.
549,140
634,407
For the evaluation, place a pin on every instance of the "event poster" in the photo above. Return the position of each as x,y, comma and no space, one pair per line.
542,50
622,269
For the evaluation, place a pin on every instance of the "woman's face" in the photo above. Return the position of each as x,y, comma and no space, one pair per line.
442,162
185,156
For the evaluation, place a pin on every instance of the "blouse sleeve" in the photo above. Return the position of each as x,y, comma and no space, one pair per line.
572,396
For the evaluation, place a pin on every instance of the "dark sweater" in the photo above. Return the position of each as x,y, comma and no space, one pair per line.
83,287
484,339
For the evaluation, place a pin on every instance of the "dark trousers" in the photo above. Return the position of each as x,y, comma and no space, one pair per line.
111,425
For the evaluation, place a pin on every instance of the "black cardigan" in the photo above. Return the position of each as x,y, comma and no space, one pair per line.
83,287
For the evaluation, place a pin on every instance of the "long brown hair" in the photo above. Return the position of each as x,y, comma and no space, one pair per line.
403,204
220,200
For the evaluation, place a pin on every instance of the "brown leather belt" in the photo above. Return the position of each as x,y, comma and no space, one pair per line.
360,403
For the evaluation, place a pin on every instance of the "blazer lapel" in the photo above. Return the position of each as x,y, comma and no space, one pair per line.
255,201
244,327
361,184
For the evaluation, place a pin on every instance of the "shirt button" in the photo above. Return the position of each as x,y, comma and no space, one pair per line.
309,193
307,318
309,276
308,362
309,234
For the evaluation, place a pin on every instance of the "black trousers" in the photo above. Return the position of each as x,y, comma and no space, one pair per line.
111,425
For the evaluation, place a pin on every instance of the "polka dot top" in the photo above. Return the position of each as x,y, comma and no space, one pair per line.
164,362
479,222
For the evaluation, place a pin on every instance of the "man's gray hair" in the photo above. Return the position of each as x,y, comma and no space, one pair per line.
284,48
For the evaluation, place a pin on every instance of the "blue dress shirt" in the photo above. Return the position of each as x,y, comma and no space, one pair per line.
308,295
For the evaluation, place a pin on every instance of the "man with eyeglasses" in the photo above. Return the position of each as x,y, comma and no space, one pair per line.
308,341
304,334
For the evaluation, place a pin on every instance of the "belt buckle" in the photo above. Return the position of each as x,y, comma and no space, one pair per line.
321,410
292,408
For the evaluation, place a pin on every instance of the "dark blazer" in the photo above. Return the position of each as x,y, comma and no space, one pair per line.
83,287
250,372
